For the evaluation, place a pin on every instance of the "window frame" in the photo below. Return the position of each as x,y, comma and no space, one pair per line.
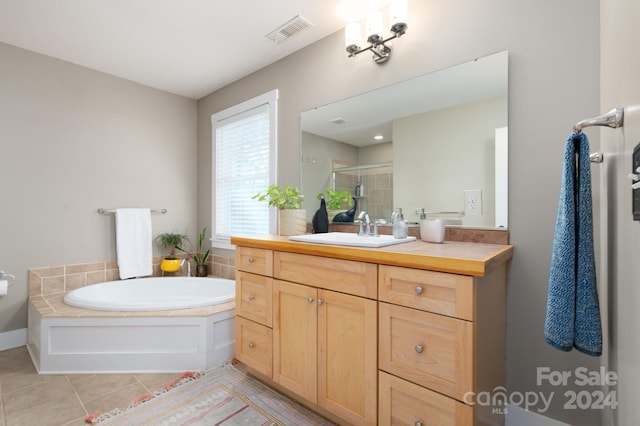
271,99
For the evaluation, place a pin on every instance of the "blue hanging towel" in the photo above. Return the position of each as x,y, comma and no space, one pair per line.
573,313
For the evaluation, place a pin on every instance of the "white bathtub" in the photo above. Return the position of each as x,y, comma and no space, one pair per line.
164,338
153,294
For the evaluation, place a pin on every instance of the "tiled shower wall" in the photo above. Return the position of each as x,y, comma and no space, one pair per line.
50,280
377,198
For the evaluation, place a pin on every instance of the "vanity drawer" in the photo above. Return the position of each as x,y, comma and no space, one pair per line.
438,292
257,261
253,347
254,297
405,403
345,276
434,351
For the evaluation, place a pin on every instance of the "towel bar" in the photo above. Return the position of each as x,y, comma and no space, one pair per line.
111,211
596,157
613,119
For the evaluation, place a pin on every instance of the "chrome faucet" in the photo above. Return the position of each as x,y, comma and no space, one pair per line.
188,266
363,217
375,226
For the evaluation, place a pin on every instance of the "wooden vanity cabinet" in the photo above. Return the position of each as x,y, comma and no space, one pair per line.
400,336
325,341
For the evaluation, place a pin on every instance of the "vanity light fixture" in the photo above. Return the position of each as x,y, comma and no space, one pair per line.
398,12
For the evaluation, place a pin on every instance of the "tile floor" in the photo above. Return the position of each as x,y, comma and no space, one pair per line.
27,398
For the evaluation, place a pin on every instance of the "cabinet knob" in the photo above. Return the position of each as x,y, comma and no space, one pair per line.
418,423
251,297
309,299
250,260
418,290
251,345
320,301
419,349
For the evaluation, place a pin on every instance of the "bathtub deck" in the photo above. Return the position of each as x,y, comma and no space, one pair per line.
66,339
53,306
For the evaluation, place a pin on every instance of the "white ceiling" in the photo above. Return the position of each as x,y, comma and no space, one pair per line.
187,47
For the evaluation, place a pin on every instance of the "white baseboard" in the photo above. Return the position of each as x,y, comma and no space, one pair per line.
13,339
517,416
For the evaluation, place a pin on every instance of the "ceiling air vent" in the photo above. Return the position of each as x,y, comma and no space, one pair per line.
292,27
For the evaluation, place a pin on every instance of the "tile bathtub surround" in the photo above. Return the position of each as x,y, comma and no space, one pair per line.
223,266
55,280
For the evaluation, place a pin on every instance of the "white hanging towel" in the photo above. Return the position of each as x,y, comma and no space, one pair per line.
134,242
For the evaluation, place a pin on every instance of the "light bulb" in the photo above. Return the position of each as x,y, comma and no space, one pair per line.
374,26
398,16
352,37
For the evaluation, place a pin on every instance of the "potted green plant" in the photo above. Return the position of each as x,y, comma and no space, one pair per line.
199,257
171,241
288,200
337,201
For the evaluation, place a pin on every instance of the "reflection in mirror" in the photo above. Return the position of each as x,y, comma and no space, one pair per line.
441,146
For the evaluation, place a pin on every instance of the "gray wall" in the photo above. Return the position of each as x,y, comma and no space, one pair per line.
553,84
74,140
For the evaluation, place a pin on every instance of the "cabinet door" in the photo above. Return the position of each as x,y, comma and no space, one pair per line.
347,356
437,292
254,297
253,345
405,403
256,261
295,338
432,350
345,276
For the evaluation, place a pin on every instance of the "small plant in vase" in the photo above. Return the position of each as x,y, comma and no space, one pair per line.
288,200
171,241
199,257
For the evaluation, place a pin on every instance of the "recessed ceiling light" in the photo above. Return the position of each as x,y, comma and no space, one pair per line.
378,137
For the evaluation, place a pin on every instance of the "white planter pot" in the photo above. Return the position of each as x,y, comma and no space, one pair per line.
292,222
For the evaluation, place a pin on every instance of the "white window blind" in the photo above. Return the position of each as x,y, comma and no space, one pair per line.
244,164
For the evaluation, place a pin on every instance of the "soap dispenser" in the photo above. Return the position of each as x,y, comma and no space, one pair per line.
400,228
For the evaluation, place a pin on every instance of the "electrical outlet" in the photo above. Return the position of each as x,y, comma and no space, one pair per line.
473,202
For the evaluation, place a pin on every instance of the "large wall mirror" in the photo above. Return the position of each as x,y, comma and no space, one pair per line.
436,143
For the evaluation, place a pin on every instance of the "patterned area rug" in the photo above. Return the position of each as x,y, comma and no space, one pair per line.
222,396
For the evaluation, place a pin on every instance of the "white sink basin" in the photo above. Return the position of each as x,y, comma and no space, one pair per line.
347,239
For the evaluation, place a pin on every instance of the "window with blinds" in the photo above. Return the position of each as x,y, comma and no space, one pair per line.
244,153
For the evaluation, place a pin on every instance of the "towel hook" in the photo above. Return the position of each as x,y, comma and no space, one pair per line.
613,119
